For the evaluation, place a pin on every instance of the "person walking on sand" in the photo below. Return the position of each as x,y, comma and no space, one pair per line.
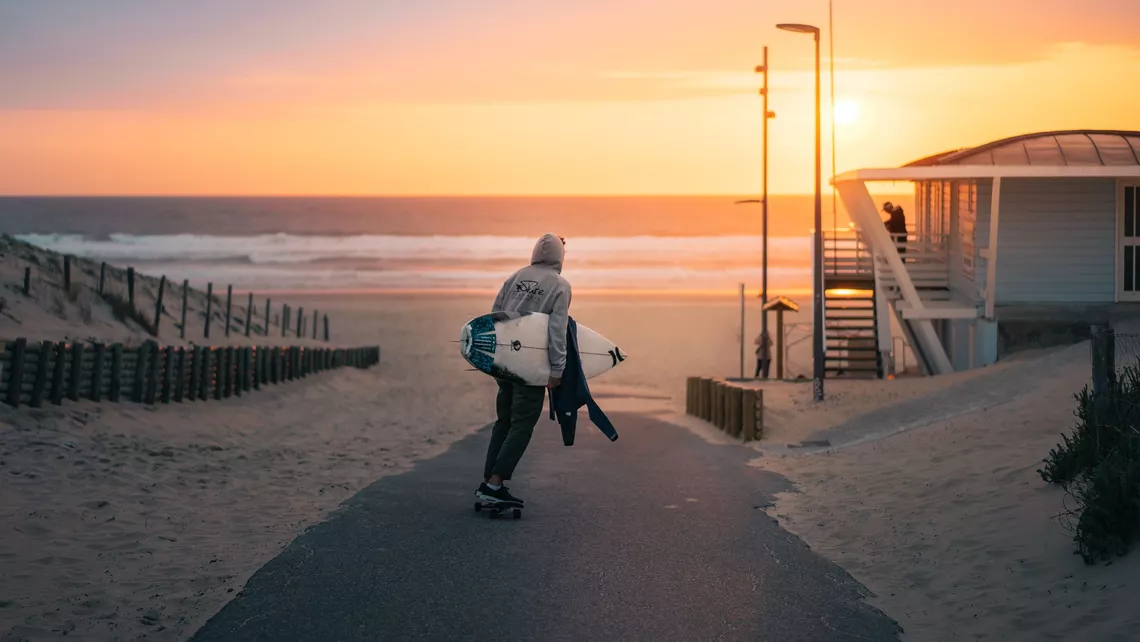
539,287
763,354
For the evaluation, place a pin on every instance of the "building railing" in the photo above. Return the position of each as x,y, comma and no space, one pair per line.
846,255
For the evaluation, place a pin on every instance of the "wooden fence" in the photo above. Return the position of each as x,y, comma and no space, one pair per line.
32,373
736,410
289,319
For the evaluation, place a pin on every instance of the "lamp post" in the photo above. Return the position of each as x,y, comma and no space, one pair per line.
817,238
763,201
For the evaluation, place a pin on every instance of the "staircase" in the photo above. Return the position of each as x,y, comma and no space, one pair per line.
851,346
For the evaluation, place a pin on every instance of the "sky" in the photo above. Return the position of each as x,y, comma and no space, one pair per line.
510,97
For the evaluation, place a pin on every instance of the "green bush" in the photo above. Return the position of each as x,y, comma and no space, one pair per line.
1099,466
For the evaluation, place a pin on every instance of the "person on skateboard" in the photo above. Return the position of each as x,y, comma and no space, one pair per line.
538,287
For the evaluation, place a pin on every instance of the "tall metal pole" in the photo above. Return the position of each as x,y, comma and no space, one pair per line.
817,233
768,114
831,77
764,205
817,268
741,330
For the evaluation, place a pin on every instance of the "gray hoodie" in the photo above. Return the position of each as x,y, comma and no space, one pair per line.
539,287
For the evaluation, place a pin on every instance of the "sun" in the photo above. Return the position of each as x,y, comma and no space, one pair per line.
846,112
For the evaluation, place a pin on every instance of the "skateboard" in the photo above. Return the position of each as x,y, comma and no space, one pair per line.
498,508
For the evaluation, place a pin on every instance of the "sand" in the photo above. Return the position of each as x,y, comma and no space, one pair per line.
954,531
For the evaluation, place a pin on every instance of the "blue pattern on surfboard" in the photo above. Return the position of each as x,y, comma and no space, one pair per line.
483,343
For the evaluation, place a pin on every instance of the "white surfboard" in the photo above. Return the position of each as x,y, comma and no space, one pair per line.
512,346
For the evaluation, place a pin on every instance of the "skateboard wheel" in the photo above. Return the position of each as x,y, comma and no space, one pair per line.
517,513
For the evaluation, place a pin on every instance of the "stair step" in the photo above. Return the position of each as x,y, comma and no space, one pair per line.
848,317
840,328
852,359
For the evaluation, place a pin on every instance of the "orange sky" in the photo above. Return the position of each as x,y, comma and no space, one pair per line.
590,97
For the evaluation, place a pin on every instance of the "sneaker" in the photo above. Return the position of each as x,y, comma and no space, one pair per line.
492,496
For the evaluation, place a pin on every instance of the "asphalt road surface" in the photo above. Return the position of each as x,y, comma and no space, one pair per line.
657,536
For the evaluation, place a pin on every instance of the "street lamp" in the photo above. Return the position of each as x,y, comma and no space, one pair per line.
817,240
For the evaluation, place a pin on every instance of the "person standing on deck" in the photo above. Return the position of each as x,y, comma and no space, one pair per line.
896,225
539,287
763,354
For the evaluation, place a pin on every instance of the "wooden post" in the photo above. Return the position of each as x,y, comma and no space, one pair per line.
67,273
1103,357
195,389
326,328
116,372
27,281
207,373
180,375
759,414
780,344
250,368
97,372
249,314
735,410
185,296
16,378
748,414
718,405
258,367
229,302
244,381
706,398
300,320
209,306
102,276
138,389
239,370
61,352
1103,363
76,371
231,372
131,285
46,348
315,324
222,383
158,304
152,355
284,319
167,373
268,304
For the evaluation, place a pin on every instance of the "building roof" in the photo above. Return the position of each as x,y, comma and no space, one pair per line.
1083,147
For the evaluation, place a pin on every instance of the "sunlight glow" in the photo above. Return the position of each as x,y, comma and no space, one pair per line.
846,111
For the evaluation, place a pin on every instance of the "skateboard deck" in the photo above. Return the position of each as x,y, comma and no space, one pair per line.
494,509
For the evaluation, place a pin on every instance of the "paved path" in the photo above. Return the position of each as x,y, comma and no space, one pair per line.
658,536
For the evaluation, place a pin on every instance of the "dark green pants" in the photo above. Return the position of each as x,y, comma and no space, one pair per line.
518,408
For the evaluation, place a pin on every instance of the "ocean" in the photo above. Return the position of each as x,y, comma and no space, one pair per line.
366,244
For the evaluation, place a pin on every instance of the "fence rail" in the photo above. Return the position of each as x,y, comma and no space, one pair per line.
34,372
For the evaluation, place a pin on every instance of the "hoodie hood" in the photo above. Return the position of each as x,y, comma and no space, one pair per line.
549,252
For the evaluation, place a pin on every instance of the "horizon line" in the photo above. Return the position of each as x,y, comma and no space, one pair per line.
826,194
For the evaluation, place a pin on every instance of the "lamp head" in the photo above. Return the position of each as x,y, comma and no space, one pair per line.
798,28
